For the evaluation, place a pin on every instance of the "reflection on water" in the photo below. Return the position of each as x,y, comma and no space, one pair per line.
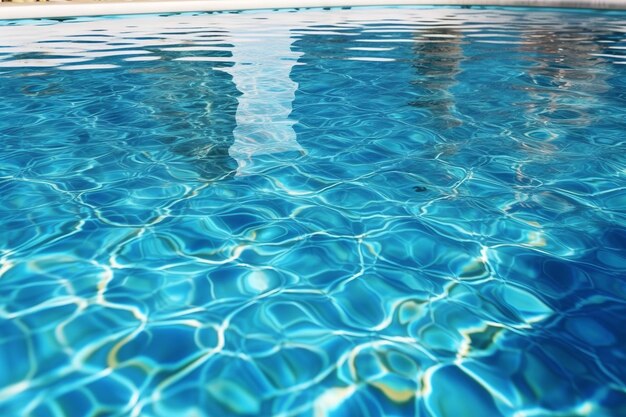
263,123
438,55
451,243
563,69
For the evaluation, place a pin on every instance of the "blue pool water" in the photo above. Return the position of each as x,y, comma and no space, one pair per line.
366,212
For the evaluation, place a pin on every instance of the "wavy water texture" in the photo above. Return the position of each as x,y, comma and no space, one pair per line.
367,212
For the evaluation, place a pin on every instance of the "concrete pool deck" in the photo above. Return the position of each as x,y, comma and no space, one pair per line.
57,9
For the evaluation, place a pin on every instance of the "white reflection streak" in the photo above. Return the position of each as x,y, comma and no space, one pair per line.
261,74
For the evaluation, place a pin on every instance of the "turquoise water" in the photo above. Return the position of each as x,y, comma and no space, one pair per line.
366,212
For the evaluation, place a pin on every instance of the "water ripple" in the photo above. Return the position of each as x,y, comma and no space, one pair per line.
390,211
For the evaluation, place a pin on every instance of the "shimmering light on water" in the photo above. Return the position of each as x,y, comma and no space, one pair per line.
367,212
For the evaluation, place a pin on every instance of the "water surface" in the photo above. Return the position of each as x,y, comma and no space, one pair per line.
366,212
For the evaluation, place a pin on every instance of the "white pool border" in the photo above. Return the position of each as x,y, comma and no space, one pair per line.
122,7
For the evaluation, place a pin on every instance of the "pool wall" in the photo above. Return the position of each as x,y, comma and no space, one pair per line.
78,8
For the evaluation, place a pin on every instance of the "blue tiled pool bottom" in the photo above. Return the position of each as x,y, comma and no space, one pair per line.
366,212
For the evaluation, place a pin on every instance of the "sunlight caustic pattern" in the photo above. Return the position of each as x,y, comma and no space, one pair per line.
366,212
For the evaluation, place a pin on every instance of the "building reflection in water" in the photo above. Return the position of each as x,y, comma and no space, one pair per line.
438,53
237,102
561,82
263,125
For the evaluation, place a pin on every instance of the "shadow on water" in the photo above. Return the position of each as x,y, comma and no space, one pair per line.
194,109
184,109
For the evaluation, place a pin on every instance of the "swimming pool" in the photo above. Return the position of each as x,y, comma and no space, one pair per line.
365,212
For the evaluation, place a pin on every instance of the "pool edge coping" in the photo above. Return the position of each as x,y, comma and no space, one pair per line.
10,11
